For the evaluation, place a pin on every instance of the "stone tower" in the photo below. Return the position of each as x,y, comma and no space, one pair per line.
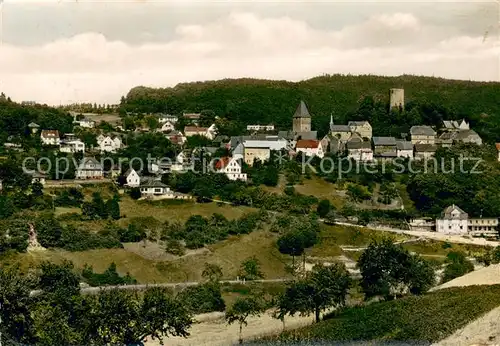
301,119
397,98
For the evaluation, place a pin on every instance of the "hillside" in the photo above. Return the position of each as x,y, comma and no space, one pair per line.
244,101
423,319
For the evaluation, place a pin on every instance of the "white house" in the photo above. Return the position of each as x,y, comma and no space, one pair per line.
167,126
89,168
85,122
153,187
260,127
310,147
109,144
132,177
453,220
74,146
231,167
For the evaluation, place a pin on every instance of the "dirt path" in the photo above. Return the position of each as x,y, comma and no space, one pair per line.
217,332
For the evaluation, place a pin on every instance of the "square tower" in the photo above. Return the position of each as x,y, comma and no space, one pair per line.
301,119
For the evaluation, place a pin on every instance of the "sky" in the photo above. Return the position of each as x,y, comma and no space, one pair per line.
60,52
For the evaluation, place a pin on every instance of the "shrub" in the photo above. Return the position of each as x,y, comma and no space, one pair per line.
203,298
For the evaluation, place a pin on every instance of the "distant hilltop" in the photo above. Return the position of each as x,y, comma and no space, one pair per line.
247,101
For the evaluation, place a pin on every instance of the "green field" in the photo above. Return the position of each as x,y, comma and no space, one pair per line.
331,237
428,318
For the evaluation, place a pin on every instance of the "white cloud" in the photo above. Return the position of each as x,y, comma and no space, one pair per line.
90,67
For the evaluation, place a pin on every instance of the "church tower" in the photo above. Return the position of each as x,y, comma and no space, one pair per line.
302,119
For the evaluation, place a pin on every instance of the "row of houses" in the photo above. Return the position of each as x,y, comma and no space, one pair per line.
69,143
454,220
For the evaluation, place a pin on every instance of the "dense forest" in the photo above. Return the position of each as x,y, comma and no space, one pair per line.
243,101
15,117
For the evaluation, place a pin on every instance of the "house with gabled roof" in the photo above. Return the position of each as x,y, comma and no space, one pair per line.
310,148
231,168
468,136
453,220
454,125
363,128
89,168
133,179
359,150
404,148
384,144
424,151
422,134
33,127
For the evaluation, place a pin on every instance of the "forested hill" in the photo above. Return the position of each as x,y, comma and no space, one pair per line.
245,101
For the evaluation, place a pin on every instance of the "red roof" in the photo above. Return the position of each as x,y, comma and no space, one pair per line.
307,144
498,146
223,162
195,129
50,133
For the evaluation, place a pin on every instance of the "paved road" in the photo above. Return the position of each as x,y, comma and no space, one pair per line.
90,290
430,235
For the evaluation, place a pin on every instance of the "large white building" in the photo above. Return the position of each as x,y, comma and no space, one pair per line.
453,220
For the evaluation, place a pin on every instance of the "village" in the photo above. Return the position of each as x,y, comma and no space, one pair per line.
354,141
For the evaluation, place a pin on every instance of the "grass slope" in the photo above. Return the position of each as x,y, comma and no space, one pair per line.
228,254
427,319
